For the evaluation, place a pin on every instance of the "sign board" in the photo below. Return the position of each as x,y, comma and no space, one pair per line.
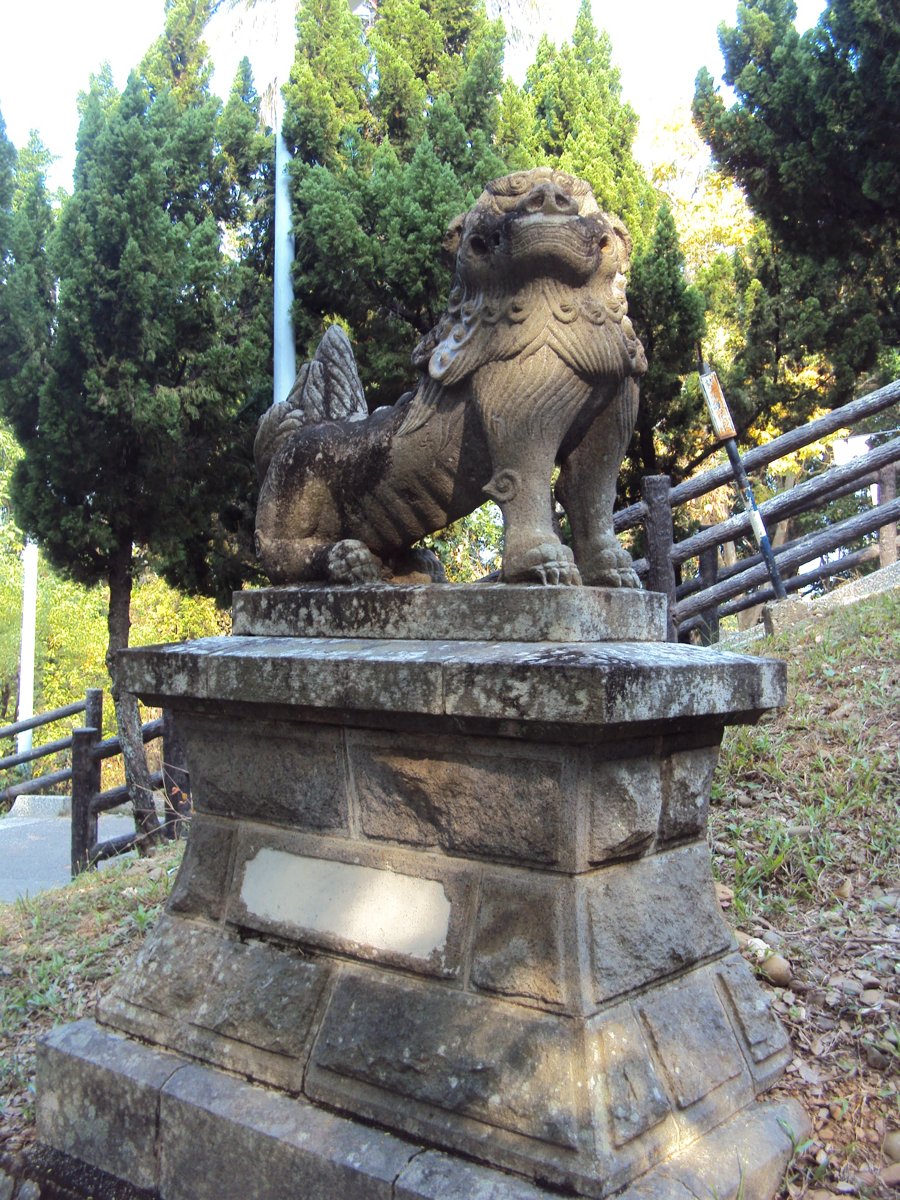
718,409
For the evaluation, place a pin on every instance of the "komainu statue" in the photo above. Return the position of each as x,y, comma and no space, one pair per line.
533,364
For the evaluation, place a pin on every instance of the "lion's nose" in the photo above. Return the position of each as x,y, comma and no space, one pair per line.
550,200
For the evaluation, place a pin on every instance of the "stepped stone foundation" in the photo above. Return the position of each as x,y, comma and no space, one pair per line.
445,925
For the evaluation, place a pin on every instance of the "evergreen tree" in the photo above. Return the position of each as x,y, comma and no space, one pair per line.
668,317
583,126
397,128
328,120
26,280
392,130
129,430
812,137
812,140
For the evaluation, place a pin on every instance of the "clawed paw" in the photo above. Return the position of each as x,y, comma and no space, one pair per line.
353,562
551,563
614,577
609,566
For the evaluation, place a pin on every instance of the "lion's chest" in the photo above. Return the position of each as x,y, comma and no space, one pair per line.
535,395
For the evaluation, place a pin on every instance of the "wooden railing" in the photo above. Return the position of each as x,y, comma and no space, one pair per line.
712,592
89,751
40,783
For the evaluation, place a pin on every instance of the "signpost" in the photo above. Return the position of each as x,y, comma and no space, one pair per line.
723,427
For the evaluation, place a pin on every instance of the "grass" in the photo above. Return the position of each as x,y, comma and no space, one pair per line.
805,830
811,796
58,952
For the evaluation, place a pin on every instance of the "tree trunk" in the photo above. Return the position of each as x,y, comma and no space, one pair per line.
128,721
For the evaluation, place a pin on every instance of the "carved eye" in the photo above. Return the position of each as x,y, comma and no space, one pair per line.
478,245
606,243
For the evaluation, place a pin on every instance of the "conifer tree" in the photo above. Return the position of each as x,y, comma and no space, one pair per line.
668,317
812,141
583,125
26,279
391,129
129,433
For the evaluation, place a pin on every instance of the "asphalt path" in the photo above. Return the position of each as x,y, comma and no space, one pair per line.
35,851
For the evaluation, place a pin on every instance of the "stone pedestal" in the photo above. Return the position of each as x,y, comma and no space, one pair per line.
445,925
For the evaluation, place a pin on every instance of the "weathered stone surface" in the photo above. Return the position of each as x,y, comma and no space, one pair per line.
366,902
164,976
625,803
275,771
217,1136
744,1159
265,997
782,614
650,918
762,1036
465,612
702,1065
583,686
687,780
221,1137
606,684
246,1006
535,362
496,800
334,673
201,885
503,940
98,1099
429,1059
520,940
628,1096
434,1176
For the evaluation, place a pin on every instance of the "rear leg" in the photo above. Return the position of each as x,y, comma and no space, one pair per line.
306,560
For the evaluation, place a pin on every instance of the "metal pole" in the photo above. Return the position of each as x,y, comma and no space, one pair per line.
727,435
27,643
285,361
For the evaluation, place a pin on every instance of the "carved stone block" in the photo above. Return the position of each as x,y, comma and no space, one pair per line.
454,890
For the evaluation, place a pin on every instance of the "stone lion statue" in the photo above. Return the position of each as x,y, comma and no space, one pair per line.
533,364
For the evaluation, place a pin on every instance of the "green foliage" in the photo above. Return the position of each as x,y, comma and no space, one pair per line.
668,317
396,128
391,128
583,126
159,326
811,140
470,548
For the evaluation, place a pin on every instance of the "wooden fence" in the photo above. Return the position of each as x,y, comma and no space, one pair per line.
711,593
88,752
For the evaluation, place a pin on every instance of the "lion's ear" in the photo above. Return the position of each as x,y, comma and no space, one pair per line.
453,237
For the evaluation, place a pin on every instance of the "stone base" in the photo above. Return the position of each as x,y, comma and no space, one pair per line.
189,1132
452,887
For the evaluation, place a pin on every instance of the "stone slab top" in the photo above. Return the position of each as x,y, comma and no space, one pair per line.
574,684
453,612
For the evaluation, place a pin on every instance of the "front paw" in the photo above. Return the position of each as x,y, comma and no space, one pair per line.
351,562
550,563
608,565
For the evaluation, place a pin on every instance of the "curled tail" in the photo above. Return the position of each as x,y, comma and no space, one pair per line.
327,388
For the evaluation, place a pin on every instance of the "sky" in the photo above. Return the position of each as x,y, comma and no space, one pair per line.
52,47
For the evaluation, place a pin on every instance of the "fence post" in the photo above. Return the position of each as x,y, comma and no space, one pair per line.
656,490
709,573
887,534
85,786
176,781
